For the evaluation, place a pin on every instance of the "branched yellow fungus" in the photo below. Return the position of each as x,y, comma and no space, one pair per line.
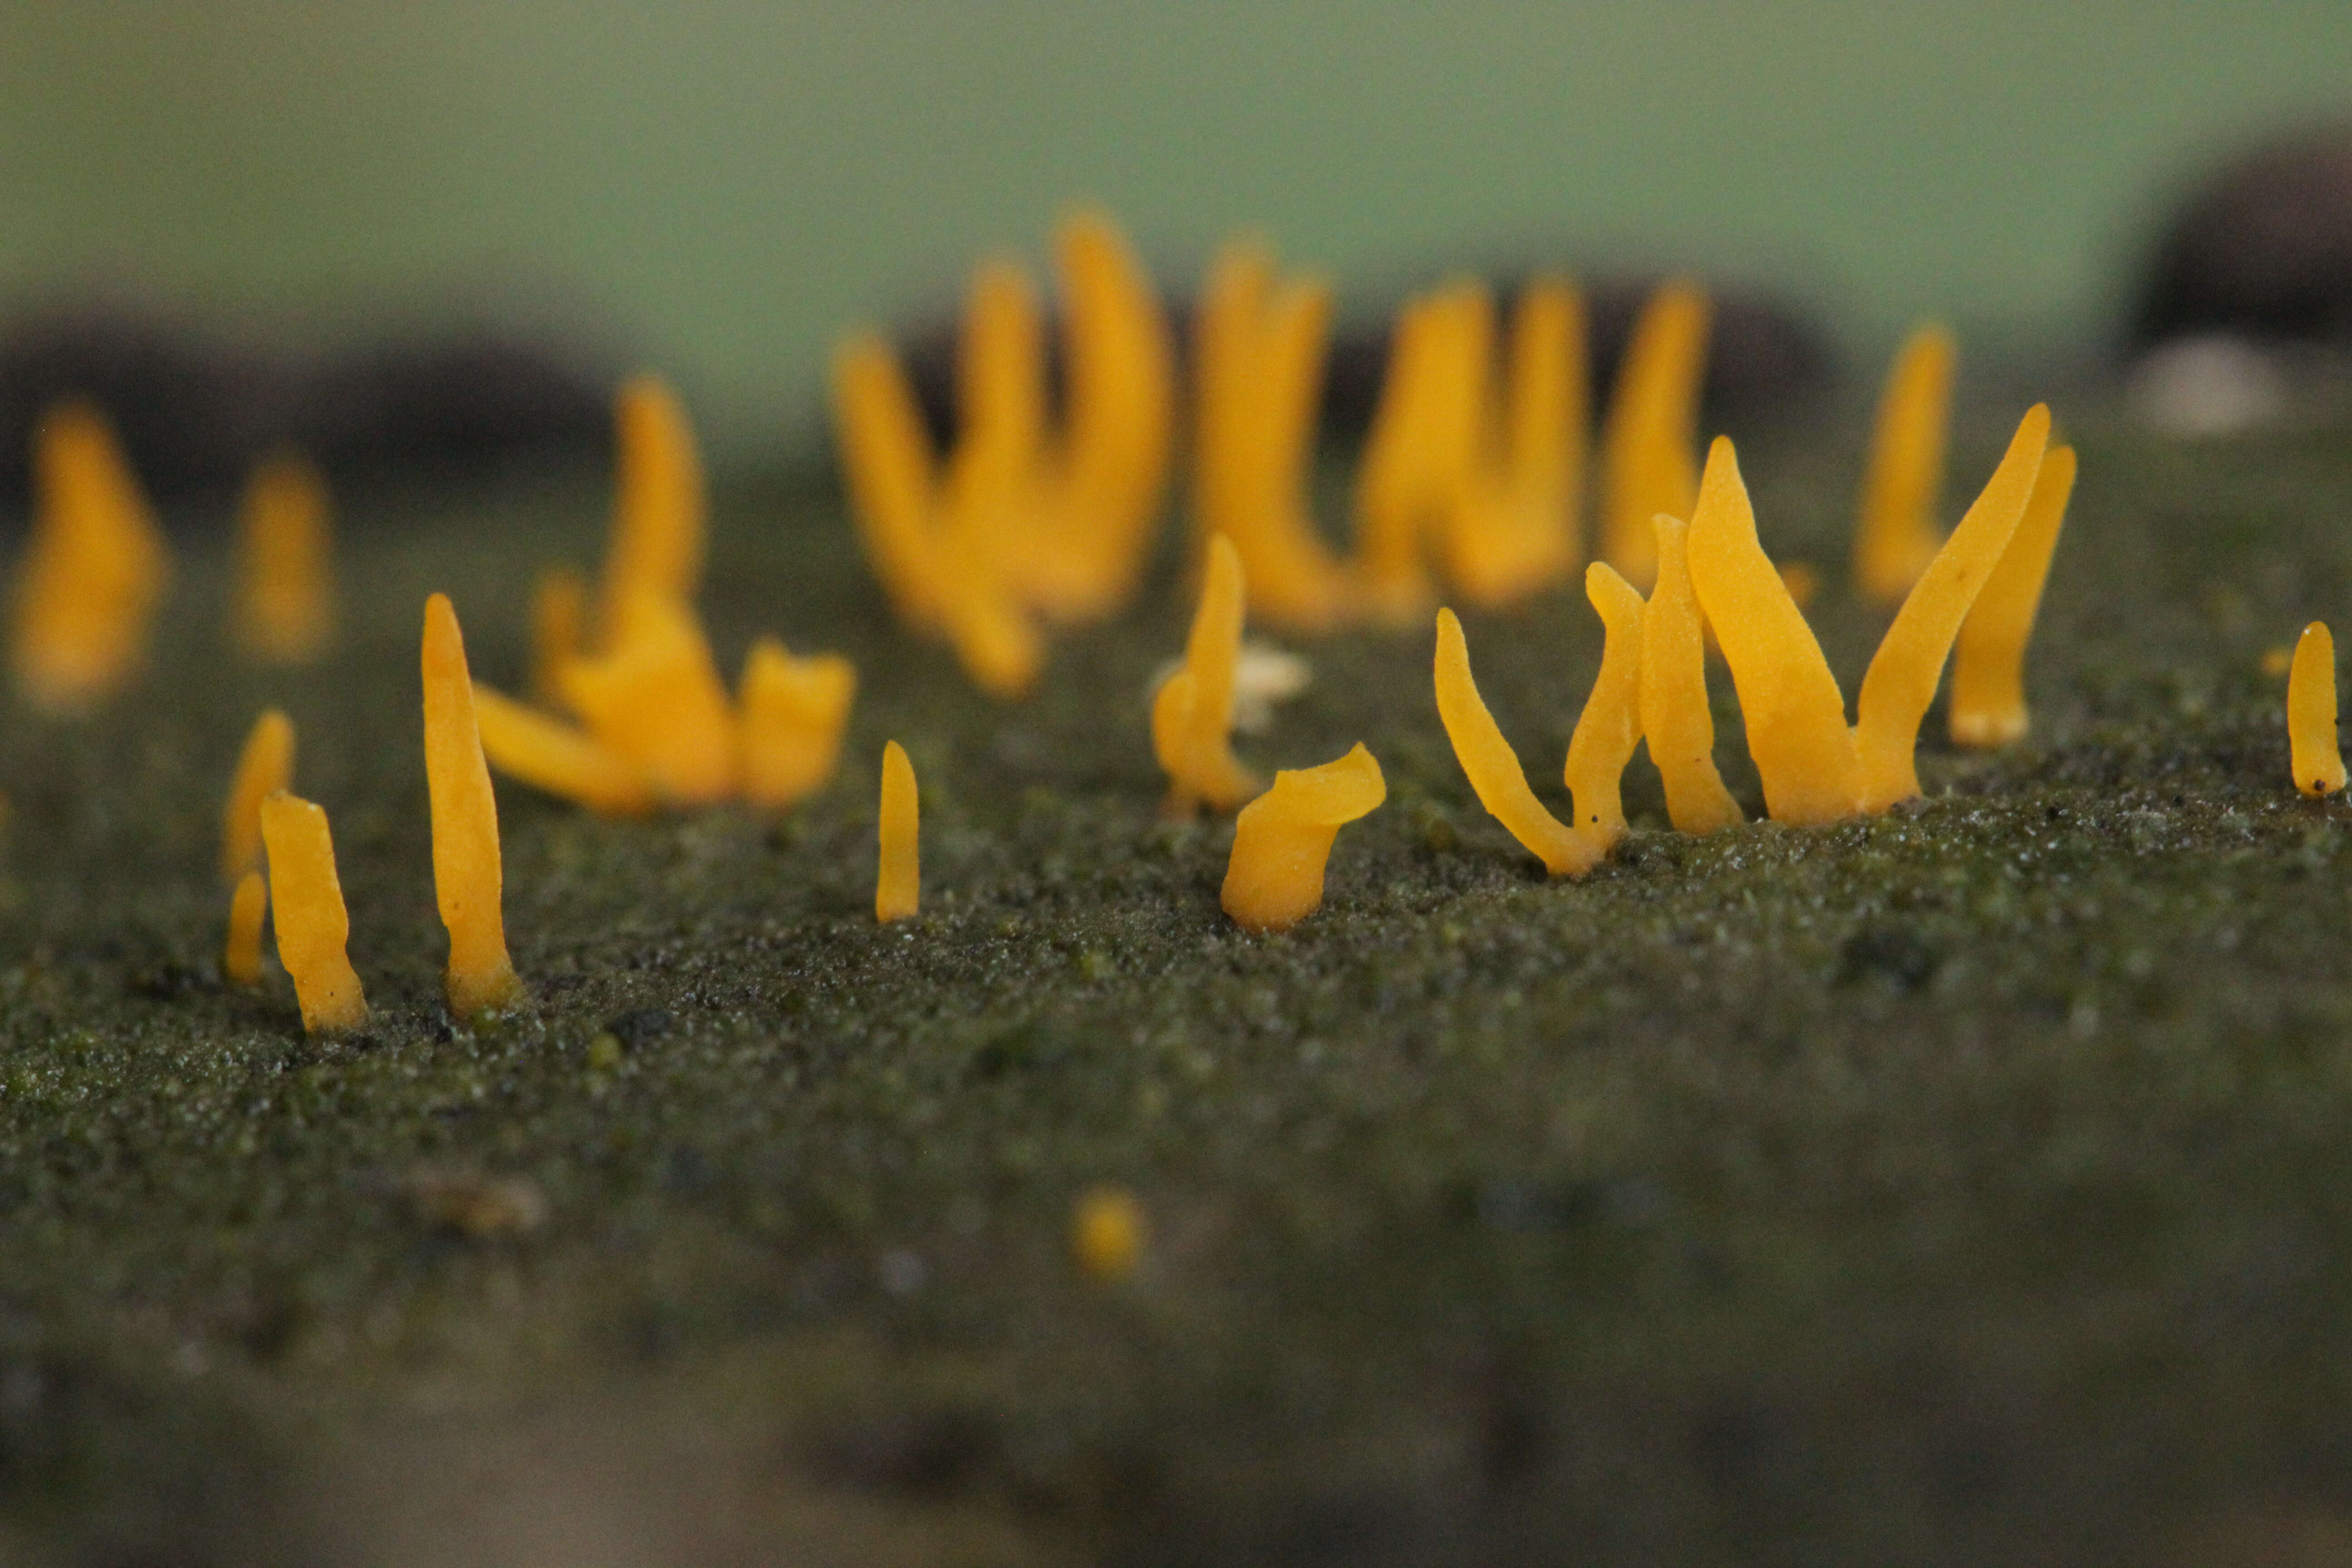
899,883
264,766
467,873
659,503
1424,444
286,567
794,711
2318,760
312,924
1676,721
1649,458
1515,527
656,700
547,754
1494,770
558,630
1283,839
1987,703
1193,711
93,572
1611,725
888,468
1896,535
241,955
1107,1232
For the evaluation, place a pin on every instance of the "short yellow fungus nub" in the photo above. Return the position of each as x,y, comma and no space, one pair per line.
656,700
312,924
1193,711
264,766
899,883
1676,721
93,572
241,955
1283,839
1495,775
659,503
793,714
2311,712
1896,535
547,754
284,593
1987,703
467,873
1648,460
1107,1233
558,630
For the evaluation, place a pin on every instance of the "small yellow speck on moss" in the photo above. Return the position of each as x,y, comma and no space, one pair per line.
241,955
558,630
1193,711
1676,721
658,504
1109,1233
898,882
1649,458
794,711
265,766
1987,705
469,876
285,595
1897,533
1283,839
312,924
2311,713
2277,660
93,572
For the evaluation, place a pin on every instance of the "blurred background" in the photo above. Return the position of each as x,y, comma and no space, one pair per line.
718,189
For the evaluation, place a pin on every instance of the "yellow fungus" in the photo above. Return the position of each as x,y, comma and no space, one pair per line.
264,766
241,955
1988,704
1676,721
793,712
1514,527
558,630
1107,1233
655,700
898,884
93,572
467,873
1283,839
1611,725
1193,711
992,500
2311,713
312,924
1649,458
658,504
547,753
887,465
2275,662
1901,681
1897,534
1494,770
285,569
1424,444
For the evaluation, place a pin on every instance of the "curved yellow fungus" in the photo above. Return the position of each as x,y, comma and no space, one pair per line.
1494,770
1648,453
559,629
1516,527
467,873
1901,681
1424,444
899,883
2311,712
887,465
658,504
655,700
286,568
264,766
1193,711
794,711
241,955
312,924
93,572
1987,703
1676,721
547,754
1283,839
1896,535
1611,725
1107,1232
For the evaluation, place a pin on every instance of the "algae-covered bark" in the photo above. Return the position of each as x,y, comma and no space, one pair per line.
1967,1185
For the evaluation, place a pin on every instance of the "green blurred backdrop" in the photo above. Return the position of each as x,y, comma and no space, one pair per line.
733,181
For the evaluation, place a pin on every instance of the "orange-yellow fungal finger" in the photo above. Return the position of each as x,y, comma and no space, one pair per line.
1192,716
547,754
1676,721
658,502
469,876
887,462
1394,484
794,711
1896,535
264,766
286,569
898,882
559,629
1987,706
991,499
2311,712
241,955
1283,839
1794,713
1494,768
1119,372
1901,681
93,572
1649,461
656,699
312,924
1514,529
1611,725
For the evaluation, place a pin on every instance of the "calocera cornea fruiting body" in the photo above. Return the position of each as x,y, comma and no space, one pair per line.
1494,770
1649,461
313,926
285,595
1282,840
264,766
1422,447
1677,722
241,953
1193,711
899,876
93,572
655,547
656,700
469,874
1988,704
558,630
1895,535
547,754
793,714
2316,756
1516,527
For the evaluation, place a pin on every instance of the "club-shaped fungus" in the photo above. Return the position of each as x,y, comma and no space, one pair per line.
1193,711
1895,535
659,507
468,874
1988,702
794,711
284,594
655,700
94,570
2311,713
1422,447
241,953
264,766
898,878
1676,721
1649,456
1516,527
1283,839
312,924
1495,775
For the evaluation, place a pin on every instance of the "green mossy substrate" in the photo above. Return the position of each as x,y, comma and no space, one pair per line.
1969,1185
